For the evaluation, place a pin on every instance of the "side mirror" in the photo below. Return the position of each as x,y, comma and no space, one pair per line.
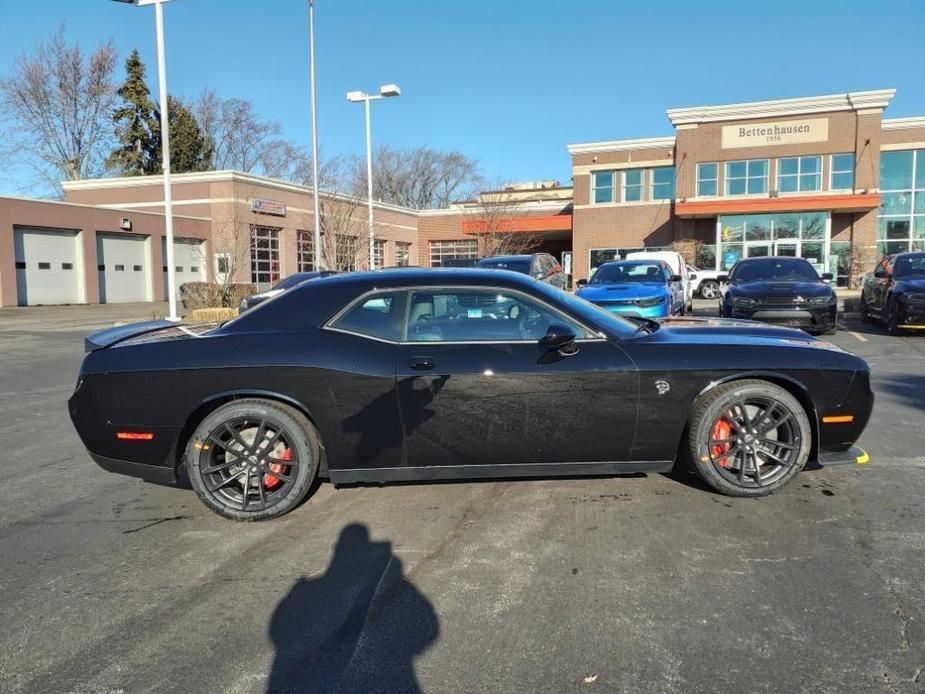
581,283
677,278
693,276
559,337
722,279
827,276
881,274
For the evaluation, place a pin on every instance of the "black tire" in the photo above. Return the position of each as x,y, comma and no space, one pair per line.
726,467
892,319
863,312
253,448
709,289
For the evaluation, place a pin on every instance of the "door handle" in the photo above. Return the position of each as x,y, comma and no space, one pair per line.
420,363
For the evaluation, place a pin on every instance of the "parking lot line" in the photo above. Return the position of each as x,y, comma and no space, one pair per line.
859,336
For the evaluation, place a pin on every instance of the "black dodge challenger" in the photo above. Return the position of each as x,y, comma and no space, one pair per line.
781,290
421,374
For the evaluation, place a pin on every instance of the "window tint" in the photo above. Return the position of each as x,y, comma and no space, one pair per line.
513,264
479,315
774,270
379,316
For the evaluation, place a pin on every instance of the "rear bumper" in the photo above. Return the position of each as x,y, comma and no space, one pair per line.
149,473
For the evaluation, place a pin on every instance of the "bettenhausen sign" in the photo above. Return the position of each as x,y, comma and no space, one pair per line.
264,206
785,132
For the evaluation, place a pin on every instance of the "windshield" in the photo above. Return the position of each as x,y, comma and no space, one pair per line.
515,264
774,270
613,323
629,273
910,266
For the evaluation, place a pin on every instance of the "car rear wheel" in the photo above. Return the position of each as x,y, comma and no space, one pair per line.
709,290
749,438
253,459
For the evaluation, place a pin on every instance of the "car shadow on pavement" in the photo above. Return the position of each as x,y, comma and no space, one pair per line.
358,627
908,389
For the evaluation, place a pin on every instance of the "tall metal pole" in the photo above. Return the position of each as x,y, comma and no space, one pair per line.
319,260
165,151
369,183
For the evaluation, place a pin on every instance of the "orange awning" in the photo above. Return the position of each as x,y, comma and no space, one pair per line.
792,203
533,223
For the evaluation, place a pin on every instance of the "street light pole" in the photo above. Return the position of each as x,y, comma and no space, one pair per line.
385,91
319,260
165,151
369,185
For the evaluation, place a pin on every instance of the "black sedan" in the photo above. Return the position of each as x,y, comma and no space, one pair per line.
286,283
450,374
781,290
895,293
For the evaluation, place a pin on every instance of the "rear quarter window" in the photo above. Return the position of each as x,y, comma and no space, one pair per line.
378,316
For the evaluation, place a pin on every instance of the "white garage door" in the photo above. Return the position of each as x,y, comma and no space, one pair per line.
124,270
47,270
189,259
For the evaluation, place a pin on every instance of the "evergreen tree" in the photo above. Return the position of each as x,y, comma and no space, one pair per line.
190,148
135,120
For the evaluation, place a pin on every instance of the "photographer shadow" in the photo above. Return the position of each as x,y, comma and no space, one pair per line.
358,627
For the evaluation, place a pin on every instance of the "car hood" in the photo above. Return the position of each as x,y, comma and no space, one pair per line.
781,289
734,331
615,292
916,285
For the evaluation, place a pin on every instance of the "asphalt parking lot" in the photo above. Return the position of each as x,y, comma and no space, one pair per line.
631,584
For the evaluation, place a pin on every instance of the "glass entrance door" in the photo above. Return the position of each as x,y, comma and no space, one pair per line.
761,249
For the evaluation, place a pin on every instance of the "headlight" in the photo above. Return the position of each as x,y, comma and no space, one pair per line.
744,301
653,301
821,299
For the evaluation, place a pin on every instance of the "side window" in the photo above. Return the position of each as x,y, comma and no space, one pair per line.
480,315
379,315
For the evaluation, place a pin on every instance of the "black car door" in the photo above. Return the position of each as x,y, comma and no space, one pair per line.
475,387
881,285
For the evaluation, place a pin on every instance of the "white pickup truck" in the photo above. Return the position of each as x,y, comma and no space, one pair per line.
704,283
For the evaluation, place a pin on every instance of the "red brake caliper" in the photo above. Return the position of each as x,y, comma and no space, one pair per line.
721,430
271,481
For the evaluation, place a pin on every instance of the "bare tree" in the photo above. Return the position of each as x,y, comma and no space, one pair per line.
419,178
493,220
244,141
56,107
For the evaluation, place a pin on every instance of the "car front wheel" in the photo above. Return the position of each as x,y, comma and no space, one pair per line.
892,318
709,290
253,459
748,438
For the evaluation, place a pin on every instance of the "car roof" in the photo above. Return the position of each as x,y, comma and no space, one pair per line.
634,261
767,258
418,276
523,256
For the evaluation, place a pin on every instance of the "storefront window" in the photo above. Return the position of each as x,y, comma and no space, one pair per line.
842,172
901,222
747,177
445,250
663,183
842,270
798,174
802,235
632,185
602,185
707,179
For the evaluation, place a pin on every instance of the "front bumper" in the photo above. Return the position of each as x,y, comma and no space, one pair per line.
813,319
634,311
851,456
149,473
911,314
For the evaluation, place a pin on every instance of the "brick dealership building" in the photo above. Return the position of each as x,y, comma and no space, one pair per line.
827,178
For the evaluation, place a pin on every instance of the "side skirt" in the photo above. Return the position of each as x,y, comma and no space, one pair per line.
462,472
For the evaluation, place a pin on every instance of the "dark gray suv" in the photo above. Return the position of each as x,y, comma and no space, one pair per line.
540,266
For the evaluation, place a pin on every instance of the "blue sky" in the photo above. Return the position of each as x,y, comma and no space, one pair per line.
508,82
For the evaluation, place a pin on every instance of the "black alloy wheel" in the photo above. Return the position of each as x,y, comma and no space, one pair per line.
709,290
749,438
253,459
